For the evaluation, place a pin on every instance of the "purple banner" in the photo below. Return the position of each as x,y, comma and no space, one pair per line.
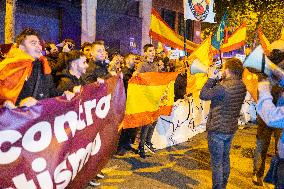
59,143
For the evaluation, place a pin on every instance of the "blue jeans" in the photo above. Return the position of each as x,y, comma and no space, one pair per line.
219,145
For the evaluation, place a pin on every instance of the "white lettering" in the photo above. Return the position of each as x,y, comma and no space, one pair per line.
62,175
32,145
77,159
14,152
59,131
89,105
81,123
44,179
102,113
21,181
97,143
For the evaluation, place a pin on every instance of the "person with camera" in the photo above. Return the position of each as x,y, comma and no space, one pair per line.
226,98
273,116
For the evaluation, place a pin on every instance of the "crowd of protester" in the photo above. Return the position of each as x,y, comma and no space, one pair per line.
62,69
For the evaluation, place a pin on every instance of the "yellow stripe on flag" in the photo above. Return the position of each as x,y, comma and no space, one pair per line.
264,42
142,98
236,40
149,95
162,32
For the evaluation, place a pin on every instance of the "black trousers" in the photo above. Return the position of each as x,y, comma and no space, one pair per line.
263,138
146,134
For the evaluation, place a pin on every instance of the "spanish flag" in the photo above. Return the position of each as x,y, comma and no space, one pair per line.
265,44
204,55
149,95
15,69
236,40
162,32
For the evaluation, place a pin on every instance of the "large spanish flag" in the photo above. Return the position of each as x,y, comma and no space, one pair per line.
236,40
149,95
162,32
15,69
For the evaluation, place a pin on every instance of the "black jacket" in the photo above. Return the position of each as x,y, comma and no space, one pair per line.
226,98
127,74
68,81
38,85
96,70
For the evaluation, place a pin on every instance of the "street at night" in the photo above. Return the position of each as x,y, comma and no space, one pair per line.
185,165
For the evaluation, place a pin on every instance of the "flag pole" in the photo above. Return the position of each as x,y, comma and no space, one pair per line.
184,37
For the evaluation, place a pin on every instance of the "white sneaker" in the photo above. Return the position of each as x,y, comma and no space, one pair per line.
94,183
150,148
100,175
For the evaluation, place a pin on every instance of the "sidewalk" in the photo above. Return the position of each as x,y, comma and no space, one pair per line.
186,165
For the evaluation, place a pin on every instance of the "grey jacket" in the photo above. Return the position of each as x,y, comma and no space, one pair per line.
226,98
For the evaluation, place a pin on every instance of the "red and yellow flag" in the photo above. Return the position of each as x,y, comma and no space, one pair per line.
204,55
15,69
149,95
236,40
162,32
265,44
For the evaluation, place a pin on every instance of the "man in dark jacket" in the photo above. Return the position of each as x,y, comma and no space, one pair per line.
35,82
71,77
98,69
127,136
226,98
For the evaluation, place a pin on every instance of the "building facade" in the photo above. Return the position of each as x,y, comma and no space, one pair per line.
123,24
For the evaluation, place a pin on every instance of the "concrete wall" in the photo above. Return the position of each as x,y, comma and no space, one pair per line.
118,23
54,20
117,29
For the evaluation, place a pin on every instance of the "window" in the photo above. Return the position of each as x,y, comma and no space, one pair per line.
189,29
169,17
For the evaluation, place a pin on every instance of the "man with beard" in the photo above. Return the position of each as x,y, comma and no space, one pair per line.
70,79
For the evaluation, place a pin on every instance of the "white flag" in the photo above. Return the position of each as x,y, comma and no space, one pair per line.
200,10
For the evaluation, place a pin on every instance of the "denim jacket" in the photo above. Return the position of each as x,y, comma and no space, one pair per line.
272,115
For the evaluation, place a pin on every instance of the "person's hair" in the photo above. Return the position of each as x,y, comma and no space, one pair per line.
70,56
145,48
70,41
276,56
100,42
26,32
47,45
86,44
114,55
128,55
235,66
